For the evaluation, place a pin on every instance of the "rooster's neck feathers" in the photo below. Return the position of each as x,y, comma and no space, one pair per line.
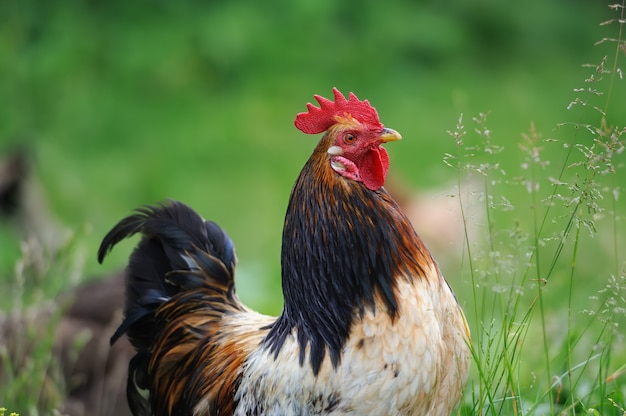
344,247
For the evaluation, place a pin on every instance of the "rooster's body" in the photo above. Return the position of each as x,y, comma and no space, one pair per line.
369,326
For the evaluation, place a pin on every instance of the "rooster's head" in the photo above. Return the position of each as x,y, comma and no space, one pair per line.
354,137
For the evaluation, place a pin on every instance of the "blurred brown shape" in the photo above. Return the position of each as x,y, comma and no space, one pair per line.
95,376
437,216
83,375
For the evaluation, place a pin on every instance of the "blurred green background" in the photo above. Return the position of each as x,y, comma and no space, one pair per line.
123,103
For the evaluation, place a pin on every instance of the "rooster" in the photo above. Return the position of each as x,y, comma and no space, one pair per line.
369,325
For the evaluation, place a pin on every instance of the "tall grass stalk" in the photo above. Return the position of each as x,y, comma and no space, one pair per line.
544,227
31,378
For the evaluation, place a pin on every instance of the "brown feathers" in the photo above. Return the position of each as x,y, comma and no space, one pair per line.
180,290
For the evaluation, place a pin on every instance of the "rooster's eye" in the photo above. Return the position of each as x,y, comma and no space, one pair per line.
349,138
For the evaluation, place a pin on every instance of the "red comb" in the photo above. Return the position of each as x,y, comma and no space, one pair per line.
317,120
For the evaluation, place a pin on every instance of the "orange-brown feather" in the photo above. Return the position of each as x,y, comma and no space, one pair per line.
415,253
199,355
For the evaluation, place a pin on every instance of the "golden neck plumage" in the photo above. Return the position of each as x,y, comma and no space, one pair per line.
344,247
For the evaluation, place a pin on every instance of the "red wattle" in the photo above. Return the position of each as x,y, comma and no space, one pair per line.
374,166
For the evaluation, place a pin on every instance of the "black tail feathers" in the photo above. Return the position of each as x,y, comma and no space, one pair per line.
179,251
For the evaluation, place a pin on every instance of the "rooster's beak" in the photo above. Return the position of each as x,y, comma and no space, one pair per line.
389,135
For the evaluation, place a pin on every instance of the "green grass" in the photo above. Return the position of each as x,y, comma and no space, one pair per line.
124,105
548,296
